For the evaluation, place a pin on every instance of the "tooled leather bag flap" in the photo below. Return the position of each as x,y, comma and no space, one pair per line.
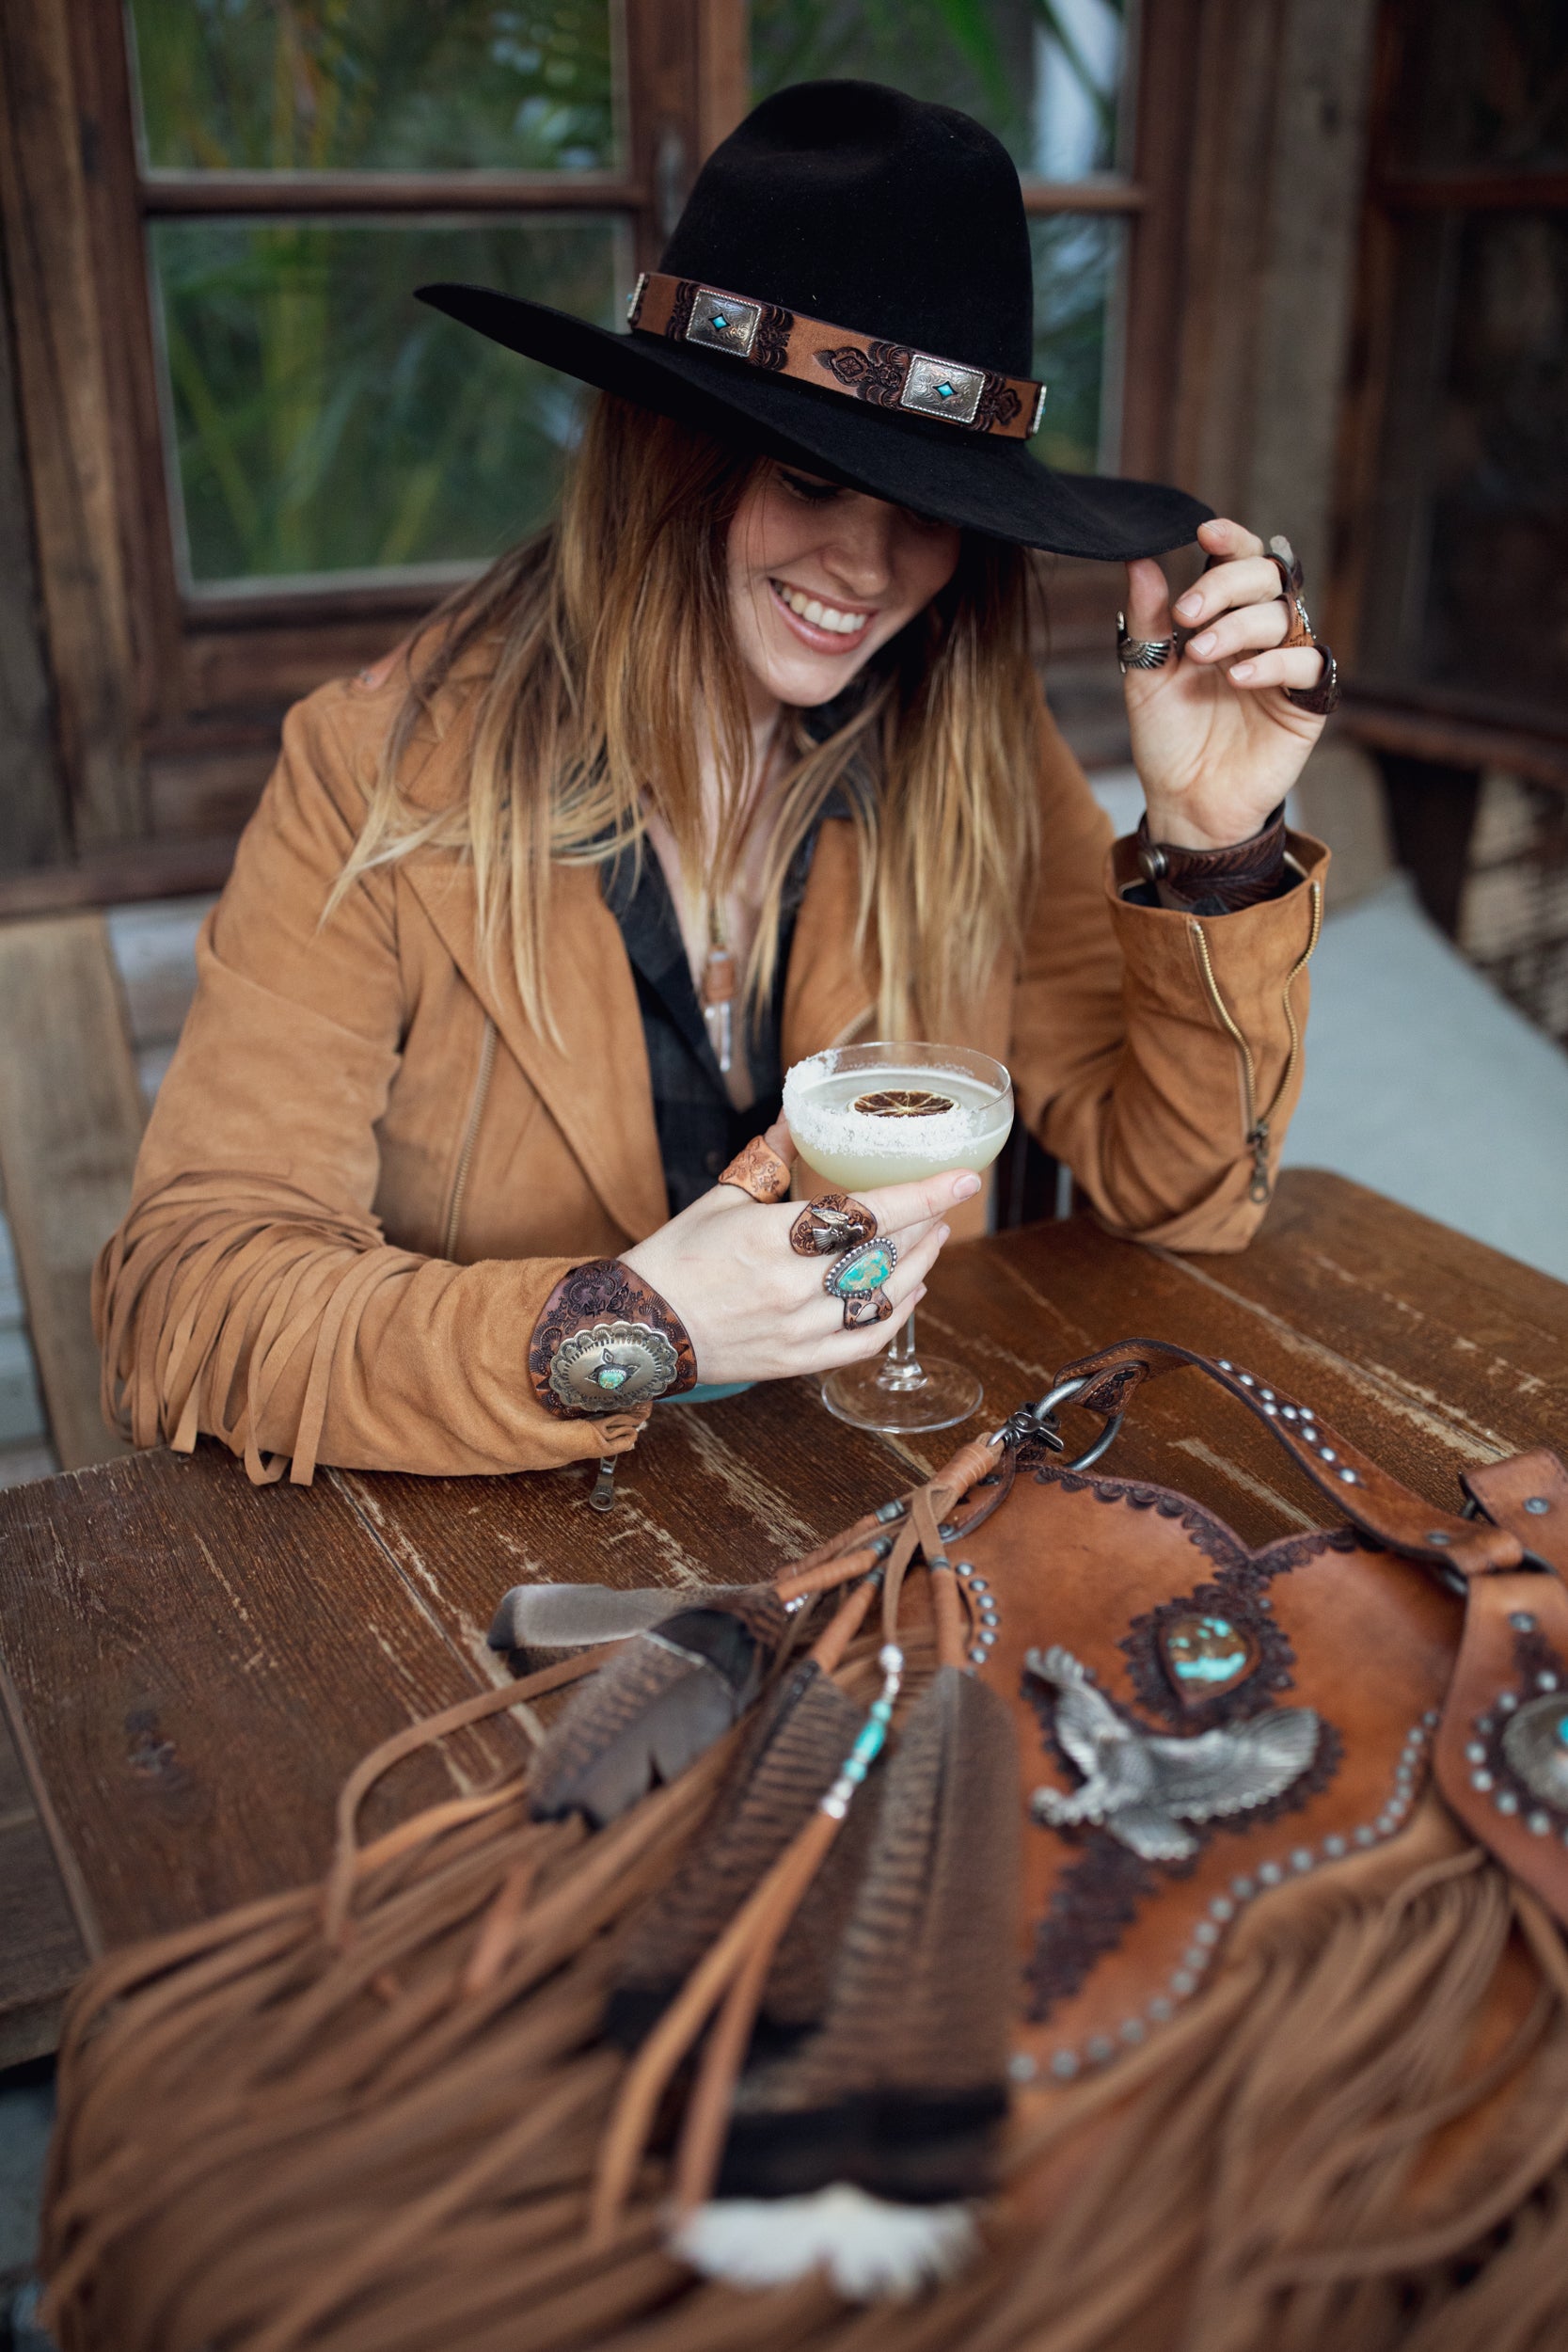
1200,1724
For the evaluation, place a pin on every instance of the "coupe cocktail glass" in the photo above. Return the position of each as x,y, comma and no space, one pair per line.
863,1116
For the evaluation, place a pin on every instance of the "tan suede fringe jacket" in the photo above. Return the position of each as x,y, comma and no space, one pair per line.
365,1171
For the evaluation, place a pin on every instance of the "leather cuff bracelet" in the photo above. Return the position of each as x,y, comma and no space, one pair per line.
1216,882
605,1340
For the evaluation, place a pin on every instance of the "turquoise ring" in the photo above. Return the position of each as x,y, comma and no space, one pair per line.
858,1281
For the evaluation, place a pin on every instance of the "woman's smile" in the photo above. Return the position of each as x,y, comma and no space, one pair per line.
820,577
825,626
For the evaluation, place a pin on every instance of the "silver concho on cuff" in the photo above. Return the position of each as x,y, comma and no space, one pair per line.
612,1365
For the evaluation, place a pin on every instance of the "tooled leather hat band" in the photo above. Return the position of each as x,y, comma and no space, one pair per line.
835,359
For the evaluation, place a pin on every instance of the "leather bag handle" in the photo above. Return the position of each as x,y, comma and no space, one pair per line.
1379,1504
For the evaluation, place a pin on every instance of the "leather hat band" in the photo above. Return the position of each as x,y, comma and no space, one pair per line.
835,359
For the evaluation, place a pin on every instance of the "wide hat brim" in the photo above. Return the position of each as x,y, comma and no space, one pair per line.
975,480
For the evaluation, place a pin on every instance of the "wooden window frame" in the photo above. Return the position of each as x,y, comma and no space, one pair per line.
1455,727
166,704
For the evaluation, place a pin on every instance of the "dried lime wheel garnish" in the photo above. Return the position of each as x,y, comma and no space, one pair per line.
902,1103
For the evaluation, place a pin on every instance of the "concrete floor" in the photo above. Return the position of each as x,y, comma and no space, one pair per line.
1424,1083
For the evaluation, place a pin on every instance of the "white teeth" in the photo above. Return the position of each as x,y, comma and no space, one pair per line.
828,616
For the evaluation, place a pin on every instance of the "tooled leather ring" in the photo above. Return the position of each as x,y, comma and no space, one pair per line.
830,1223
858,1281
759,1170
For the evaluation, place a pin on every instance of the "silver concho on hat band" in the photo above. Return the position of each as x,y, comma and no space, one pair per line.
611,1365
935,388
724,323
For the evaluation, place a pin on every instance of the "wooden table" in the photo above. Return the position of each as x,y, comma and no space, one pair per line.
190,1666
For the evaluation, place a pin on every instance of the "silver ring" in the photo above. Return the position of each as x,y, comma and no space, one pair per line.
1141,653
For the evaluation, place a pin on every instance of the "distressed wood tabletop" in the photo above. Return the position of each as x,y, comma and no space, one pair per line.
191,1666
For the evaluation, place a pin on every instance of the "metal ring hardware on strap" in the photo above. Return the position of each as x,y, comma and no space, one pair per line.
1038,1421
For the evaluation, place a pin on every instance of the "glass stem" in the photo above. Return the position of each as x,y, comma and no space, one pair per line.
901,1369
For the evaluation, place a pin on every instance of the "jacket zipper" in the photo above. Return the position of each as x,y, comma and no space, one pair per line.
460,1175
1261,1186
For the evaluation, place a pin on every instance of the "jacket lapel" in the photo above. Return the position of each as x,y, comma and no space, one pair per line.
595,1085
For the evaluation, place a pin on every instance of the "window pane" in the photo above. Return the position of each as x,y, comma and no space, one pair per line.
1467,594
1045,75
375,84
1481,83
1078,262
324,423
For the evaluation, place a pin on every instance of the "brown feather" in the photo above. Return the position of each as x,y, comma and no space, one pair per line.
656,1706
805,1732
900,2088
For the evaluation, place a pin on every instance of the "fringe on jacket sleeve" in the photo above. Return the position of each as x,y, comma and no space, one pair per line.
250,1291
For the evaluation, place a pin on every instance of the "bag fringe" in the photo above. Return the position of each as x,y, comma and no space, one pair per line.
377,2115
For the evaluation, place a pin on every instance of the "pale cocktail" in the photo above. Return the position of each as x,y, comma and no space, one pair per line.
865,1116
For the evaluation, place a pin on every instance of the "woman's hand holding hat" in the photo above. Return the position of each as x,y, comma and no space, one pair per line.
1216,739
756,1309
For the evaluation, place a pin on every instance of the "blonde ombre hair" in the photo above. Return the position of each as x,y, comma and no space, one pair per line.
595,657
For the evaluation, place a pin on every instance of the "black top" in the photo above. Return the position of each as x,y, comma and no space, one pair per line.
699,1130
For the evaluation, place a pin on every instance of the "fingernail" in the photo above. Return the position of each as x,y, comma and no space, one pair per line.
1207,643
1190,607
1242,669
944,1233
966,1189
920,1293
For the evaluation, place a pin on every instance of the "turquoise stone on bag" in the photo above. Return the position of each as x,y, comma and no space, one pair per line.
612,1375
1205,1655
865,1271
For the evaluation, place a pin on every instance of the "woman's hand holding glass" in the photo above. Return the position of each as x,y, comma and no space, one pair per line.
756,1311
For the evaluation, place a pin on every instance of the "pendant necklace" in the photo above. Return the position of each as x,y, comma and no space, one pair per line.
719,993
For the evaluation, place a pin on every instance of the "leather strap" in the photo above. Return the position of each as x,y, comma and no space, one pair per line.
1383,1508
1528,1495
835,359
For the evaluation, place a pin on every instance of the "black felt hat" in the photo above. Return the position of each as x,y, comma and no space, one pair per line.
849,286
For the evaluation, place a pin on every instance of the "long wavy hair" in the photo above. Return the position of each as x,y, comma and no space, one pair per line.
589,661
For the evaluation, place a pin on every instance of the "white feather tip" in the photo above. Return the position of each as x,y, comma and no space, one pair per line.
870,2251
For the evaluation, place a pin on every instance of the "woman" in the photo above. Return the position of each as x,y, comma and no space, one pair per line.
755,721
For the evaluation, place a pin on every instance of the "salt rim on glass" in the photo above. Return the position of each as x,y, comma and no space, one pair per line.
845,1130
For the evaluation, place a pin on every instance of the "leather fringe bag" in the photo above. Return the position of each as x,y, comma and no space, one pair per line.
1035,1920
